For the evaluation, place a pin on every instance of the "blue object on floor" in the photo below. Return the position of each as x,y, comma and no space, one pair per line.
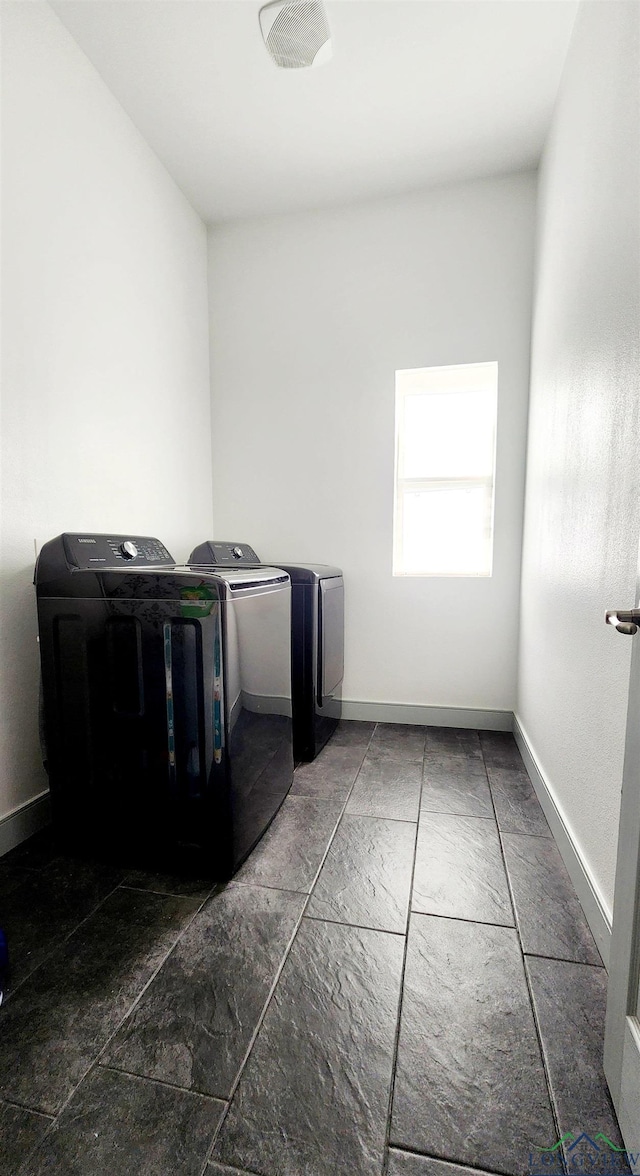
4,962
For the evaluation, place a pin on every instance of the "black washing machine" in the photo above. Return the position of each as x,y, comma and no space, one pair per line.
167,701
317,645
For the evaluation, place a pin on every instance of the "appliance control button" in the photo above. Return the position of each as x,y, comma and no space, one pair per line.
238,552
128,550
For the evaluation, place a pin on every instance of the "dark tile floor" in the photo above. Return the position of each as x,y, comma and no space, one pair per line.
399,980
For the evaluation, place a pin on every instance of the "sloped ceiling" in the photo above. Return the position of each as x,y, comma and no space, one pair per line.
418,92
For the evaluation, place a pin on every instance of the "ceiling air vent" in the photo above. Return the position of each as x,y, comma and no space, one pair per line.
296,33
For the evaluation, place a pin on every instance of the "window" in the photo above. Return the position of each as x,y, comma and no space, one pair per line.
445,459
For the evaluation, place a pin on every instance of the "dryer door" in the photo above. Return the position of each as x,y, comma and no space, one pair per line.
331,646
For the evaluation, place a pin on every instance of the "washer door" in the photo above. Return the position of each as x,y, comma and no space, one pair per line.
331,648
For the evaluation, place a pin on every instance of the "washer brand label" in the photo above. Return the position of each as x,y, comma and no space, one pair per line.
86,540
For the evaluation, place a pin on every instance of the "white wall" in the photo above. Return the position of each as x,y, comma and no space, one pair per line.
583,493
105,397
310,317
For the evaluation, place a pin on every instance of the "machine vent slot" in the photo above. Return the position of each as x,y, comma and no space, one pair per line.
124,659
188,708
73,694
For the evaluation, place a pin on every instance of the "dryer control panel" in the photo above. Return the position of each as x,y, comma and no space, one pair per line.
226,554
88,552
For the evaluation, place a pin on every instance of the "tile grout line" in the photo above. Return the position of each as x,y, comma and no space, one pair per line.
65,939
462,919
96,1060
197,897
375,817
267,886
540,836
163,961
548,836
538,955
371,816
13,1102
547,1076
503,857
518,833
236,1171
396,1044
279,972
447,813
354,926
444,1161
543,1055
221,1098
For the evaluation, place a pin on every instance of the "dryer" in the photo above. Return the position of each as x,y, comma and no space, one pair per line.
167,701
317,640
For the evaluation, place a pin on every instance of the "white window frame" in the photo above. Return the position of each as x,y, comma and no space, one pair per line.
435,379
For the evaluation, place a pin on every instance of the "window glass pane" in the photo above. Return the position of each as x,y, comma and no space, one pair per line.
448,435
445,459
446,531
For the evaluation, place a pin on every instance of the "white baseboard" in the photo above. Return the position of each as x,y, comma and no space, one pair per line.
429,716
590,900
24,821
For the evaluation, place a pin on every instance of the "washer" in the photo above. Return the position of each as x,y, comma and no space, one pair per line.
167,701
317,645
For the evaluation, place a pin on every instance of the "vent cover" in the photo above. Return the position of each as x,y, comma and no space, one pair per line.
296,33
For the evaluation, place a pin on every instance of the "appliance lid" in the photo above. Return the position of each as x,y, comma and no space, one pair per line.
240,577
235,554
307,573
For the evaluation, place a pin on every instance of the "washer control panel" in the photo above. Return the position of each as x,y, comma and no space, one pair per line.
225,554
88,552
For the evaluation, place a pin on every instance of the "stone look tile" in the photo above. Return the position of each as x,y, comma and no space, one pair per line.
350,732
500,749
37,852
366,878
550,918
331,774
387,788
403,741
517,806
407,1164
48,906
454,741
459,870
470,1084
189,887
314,1095
195,1021
62,1016
20,1131
570,1002
291,851
120,1125
11,877
456,784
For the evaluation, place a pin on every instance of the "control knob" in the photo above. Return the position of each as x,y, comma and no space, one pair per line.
128,550
237,552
